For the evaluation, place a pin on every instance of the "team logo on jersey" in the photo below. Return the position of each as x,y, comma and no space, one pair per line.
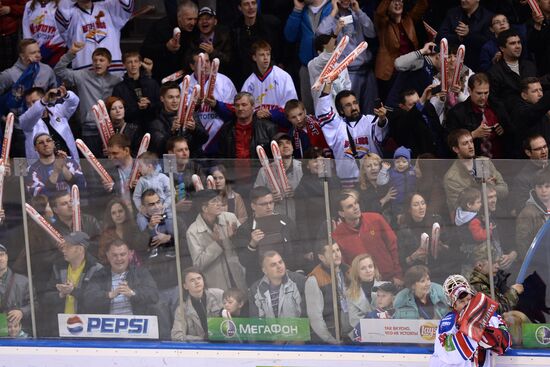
93,31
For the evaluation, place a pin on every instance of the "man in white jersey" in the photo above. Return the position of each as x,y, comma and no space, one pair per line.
224,91
348,133
39,24
270,85
97,24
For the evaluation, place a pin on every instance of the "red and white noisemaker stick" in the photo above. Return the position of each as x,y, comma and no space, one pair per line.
94,162
436,229
431,32
212,79
444,59
6,145
197,183
75,199
280,167
173,77
143,146
106,118
268,171
192,103
332,61
535,8
44,224
210,183
183,100
330,77
459,63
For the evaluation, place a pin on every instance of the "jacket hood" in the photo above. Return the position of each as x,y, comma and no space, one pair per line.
534,200
463,216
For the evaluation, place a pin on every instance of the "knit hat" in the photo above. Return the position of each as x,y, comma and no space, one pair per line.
402,152
3,248
386,287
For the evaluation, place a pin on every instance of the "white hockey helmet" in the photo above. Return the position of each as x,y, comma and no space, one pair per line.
454,286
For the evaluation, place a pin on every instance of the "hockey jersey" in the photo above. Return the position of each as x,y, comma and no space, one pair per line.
224,91
97,27
366,134
271,90
454,348
39,24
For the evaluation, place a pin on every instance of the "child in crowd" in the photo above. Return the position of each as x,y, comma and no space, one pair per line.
152,178
15,330
234,300
402,177
385,294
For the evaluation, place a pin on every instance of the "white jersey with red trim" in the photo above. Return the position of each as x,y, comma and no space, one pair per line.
97,27
224,91
272,90
366,134
452,348
39,24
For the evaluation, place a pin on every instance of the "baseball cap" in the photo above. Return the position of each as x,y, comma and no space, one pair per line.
207,10
3,248
281,136
77,238
386,287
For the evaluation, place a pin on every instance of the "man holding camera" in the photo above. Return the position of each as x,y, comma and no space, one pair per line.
49,112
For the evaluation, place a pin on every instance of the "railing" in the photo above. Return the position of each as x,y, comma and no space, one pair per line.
271,270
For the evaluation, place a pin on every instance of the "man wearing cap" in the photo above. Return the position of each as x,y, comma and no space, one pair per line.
209,239
69,279
53,171
293,168
14,292
212,38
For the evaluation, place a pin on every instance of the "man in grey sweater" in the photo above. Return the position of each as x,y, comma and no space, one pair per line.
91,85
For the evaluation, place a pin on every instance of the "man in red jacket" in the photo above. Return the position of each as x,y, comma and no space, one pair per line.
361,233
11,12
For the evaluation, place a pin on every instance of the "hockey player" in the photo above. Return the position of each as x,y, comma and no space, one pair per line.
39,24
224,91
350,134
97,24
270,85
455,348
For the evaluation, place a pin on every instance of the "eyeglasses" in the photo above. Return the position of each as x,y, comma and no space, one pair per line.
539,149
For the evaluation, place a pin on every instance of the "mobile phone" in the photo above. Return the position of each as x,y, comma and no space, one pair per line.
348,19
436,89
378,103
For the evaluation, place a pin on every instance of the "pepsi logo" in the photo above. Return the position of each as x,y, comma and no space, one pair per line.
75,325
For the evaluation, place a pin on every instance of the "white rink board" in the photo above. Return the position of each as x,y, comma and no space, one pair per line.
105,357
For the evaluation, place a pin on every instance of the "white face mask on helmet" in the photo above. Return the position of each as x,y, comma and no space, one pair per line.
454,286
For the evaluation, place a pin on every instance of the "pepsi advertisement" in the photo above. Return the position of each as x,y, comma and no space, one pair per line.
108,326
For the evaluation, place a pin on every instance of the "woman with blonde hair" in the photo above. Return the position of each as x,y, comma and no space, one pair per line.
373,197
364,276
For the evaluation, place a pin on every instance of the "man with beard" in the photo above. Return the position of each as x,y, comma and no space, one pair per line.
350,134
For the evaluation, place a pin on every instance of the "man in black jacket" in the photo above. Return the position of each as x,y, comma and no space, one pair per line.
485,118
539,38
243,130
120,289
139,92
530,113
68,281
506,75
166,50
167,125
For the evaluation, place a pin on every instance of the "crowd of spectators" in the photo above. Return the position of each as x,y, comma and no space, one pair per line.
400,158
